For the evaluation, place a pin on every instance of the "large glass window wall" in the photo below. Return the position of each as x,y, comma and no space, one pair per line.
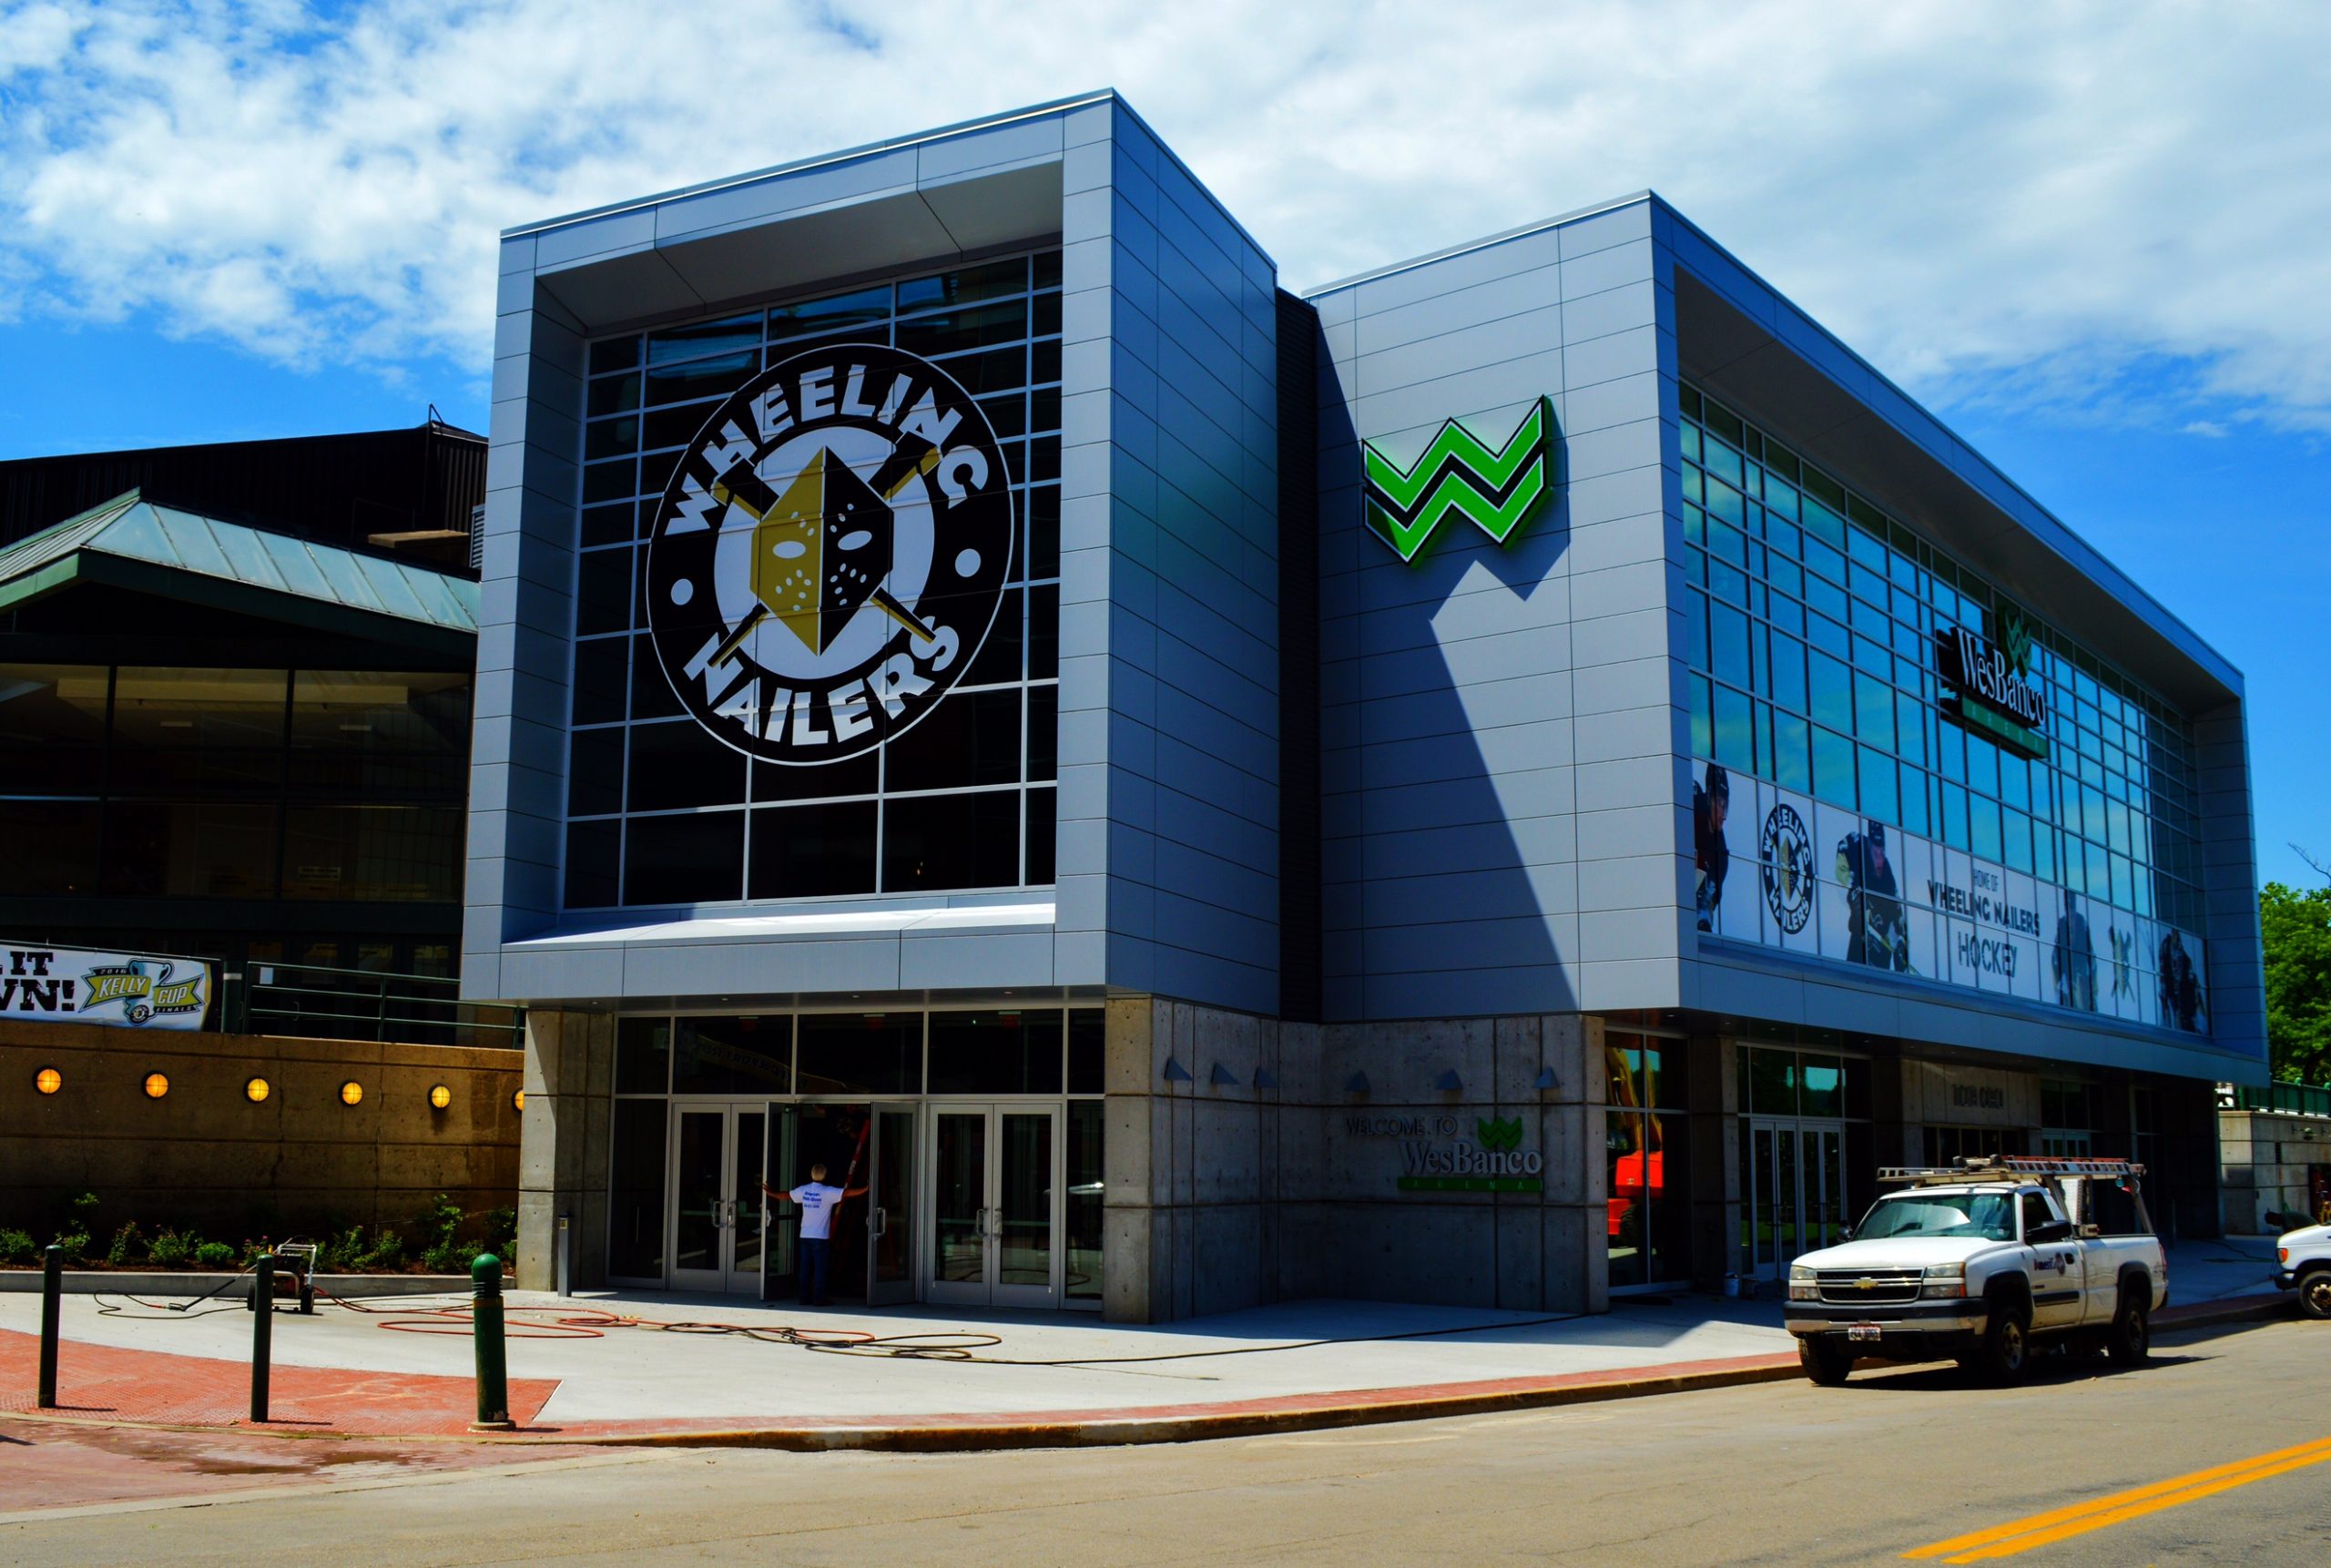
181,783
1812,617
659,812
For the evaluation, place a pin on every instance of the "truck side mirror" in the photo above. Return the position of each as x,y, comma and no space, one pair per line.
2049,1230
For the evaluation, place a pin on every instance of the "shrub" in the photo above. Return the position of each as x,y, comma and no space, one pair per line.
124,1247
340,1249
17,1247
215,1255
386,1254
74,1245
168,1249
502,1234
446,1258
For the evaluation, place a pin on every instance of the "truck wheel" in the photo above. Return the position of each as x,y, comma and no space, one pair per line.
1825,1364
2131,1340
2315,1293
2006,1353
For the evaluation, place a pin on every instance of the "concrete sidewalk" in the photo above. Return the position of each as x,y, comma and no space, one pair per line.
652,1366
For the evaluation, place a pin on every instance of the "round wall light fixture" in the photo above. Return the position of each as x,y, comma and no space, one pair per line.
518,1100
440,1096
157,1085
256,1089
351,1092
47,1081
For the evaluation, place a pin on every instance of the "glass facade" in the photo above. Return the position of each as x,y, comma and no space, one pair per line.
1646,1159
247,784
659,812
1812,621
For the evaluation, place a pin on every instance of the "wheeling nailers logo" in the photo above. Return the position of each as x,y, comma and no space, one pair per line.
1787,852
1496,489
830,554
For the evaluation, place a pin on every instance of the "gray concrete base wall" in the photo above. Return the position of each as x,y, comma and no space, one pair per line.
563,1156
1223,1191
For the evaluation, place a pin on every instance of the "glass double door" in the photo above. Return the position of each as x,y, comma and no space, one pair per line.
727,1238
868,1150
995,1205
1792,1192
716,1223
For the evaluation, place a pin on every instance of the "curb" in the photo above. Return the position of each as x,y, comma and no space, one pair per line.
1136,1430
1298,1413
177,1286
2237,1310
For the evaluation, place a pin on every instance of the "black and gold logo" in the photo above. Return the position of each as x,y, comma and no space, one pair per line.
1786,850
830,554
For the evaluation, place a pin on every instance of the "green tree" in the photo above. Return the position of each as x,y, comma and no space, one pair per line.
2297,926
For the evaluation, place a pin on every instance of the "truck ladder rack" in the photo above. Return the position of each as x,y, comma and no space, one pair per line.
2011,1167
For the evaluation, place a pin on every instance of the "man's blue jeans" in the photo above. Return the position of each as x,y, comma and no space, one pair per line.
813,1270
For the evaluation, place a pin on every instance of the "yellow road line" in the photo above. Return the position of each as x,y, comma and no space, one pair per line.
2058,1524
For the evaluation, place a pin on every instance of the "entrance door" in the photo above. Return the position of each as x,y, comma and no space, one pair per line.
1793,1193
889,1206
995,1212
718,1153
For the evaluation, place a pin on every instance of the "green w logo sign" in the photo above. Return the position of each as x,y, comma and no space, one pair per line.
1495,489
1497,1136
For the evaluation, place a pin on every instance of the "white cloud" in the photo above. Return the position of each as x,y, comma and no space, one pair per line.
2113,207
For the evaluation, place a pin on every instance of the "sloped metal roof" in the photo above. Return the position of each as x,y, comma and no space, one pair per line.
132,542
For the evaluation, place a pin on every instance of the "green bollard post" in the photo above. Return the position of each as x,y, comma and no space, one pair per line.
52,1292
263,1333
492,1360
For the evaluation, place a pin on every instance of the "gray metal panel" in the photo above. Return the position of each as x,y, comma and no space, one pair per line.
1175,512
1460,693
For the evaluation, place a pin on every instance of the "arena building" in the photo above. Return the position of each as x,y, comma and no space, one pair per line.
1523,775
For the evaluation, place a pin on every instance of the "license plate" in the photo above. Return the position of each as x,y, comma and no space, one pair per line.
1860,1332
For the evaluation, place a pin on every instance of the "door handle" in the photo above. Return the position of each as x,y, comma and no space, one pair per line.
878,1219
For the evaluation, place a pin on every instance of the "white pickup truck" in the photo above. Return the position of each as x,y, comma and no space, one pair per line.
1983,1262
2303,1263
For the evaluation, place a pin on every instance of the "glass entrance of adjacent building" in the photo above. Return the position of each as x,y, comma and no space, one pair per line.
718,1155
995,1219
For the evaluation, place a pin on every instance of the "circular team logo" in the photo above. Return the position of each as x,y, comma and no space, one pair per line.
830,554
1786,850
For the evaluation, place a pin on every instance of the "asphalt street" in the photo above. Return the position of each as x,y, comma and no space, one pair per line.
2219,1451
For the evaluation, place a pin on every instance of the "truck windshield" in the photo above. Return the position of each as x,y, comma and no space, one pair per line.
1987,1216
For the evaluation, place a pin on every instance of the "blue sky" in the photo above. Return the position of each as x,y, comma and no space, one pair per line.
2091,237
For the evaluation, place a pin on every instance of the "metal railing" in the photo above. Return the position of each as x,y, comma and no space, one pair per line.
2283,1099
319,1003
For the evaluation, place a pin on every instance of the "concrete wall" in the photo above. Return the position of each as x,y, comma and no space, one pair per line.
1501,802
1228,1194
2268,1160
206,1156
1169,724
563,1157
1195,1171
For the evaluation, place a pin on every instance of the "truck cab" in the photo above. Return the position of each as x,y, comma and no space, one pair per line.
1983,1263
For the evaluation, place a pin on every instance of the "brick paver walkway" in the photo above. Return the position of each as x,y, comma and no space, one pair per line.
97,1381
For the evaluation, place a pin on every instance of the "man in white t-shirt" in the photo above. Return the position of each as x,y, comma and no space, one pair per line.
818,1202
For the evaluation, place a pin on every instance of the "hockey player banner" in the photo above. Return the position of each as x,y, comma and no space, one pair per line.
1782,870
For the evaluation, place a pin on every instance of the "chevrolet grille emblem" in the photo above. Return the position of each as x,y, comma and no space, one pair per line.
1864,1284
